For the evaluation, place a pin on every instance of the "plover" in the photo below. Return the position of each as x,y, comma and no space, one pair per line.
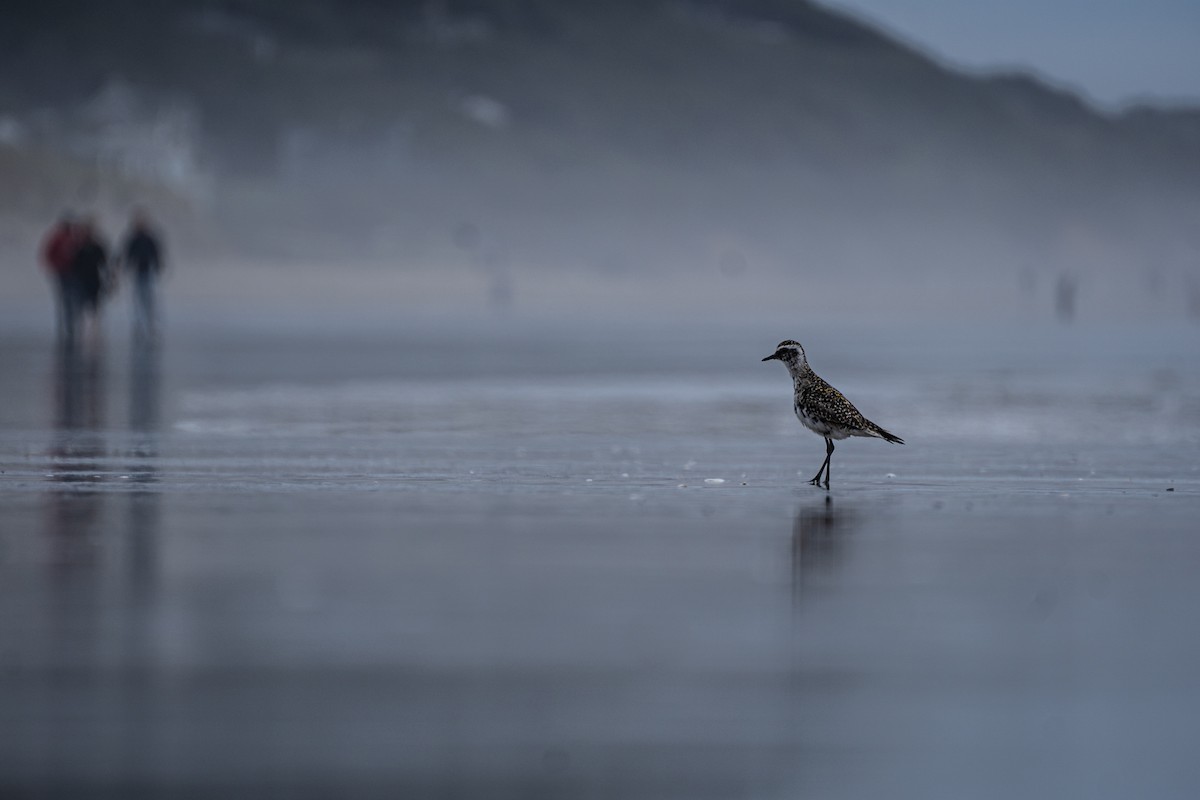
823,409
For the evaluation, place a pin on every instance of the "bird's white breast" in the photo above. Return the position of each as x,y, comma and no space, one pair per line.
812,423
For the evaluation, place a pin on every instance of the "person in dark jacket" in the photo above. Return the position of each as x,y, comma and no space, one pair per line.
89,270
142,254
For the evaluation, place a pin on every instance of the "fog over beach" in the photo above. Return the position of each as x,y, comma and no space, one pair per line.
566,157
451,466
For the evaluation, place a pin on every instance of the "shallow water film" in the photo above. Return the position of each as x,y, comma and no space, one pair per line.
518,562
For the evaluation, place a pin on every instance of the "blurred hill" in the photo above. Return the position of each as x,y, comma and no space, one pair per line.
723,139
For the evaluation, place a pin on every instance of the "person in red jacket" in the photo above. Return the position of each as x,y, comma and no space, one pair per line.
58,250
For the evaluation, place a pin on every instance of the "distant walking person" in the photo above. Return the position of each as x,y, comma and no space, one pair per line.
143,259
57,256
1064,296
89,271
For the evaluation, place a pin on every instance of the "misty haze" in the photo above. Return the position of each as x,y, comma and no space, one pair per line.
461,155
422,445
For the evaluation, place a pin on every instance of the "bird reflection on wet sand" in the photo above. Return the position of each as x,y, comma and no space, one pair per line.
819,533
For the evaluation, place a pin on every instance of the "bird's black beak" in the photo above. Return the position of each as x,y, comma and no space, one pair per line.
772,357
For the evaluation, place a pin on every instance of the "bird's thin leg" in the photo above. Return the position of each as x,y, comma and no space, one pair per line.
828,460
816,479
825,465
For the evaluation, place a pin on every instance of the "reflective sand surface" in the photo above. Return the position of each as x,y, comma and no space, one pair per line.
520,565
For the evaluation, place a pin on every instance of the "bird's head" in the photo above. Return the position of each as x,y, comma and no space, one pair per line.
790,352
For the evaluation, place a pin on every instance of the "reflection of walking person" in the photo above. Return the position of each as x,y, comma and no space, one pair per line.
57,254
142,255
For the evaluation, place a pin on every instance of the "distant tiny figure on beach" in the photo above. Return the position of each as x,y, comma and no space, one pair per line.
57,256
89,272
142,257
1065,291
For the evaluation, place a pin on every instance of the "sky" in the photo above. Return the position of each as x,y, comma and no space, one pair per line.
1115,52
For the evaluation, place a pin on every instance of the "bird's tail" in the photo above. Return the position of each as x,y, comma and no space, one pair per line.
882,434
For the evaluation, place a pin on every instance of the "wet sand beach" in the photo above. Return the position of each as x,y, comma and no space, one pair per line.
502,563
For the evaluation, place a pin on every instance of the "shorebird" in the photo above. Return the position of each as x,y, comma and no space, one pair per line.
823,409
